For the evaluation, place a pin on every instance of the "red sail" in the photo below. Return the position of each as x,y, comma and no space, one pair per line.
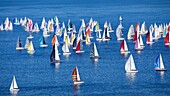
135,37
74,75
166,39
122,46
168,28
148,37
78,46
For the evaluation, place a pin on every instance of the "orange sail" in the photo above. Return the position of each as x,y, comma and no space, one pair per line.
53,40
74,75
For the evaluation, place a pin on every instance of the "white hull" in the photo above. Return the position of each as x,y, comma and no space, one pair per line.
78,82
31,52
105,39
19,48
98,39
149,42
79,51
46,35
167,44
30,37
132,71
111,31
120,38
125,52
138,49
44,45
67,53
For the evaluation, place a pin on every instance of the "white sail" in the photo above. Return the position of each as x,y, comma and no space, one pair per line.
32,46
161,62
125,46
26,43
57,58
96,54
65,48
130,65
78,76
141,40
43,23
13,84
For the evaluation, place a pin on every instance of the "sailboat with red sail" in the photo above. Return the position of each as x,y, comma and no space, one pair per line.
124,48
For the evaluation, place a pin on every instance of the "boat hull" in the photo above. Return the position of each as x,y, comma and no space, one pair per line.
132,71
160,69
80,51
66,53
19,48
31,52
78,82
43,45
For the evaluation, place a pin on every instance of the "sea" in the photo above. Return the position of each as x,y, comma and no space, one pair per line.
36,76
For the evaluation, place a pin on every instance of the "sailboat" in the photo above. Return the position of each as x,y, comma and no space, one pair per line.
141,41
98,36
167,39
138,46
94,53
16,21
42,42
159,65
54,57
30,48
79,47
149,39
130,32
19,45
119,33
130,65
124,48
110,28
14,87
26,43
76,76
65,49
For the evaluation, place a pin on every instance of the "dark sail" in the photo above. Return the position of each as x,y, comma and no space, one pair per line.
52,56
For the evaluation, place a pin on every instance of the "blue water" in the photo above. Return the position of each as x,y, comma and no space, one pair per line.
37,77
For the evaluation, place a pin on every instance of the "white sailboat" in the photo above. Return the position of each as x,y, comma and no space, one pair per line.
130,65
16,21
110,28
19,45
65,49
14,87
45,33
130,32
76,76
30,49
36,28
94,53
141,41
138,46
26,43
119,33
